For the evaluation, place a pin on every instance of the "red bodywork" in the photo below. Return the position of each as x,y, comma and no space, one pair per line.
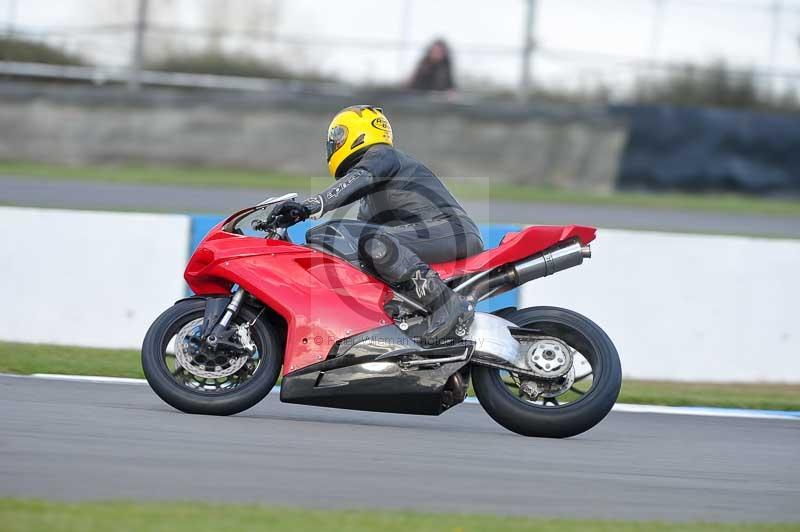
323,298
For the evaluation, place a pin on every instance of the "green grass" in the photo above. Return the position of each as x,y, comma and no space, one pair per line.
30,516
27,359
227,177
760,396
159,175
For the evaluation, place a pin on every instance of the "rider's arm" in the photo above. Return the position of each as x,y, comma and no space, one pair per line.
374,169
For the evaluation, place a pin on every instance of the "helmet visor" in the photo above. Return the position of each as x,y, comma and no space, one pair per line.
336,137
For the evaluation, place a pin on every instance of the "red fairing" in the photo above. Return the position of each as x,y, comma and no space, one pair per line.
325,299
514,247
322,298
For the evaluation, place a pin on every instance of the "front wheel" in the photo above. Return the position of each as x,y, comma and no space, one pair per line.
557,408
199,382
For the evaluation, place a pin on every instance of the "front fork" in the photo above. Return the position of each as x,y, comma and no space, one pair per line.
216,324
230,311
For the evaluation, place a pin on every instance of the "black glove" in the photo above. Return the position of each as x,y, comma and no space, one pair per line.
288,213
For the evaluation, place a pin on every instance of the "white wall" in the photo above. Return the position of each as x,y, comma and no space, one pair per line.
88,278
688,307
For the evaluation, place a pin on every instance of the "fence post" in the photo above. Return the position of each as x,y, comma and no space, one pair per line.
527,50
12,15
137,56
659,8
774,41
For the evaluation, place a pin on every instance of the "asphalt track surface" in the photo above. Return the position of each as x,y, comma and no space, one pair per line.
87,195
77,440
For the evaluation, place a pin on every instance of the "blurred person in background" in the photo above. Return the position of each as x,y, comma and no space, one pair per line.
406,220
434,71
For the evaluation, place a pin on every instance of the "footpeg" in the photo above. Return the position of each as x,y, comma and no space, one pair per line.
464,321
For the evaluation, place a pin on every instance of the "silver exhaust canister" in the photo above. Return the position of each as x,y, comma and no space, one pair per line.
552,260
548,262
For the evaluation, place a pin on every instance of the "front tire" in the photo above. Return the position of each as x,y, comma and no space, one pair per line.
557,421
199,399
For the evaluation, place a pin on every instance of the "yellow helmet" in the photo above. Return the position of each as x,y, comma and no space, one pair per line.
353,130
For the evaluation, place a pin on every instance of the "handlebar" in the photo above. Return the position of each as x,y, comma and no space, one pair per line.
273,230
264,225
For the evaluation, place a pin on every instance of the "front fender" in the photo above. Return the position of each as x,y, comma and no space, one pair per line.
196,297
215,306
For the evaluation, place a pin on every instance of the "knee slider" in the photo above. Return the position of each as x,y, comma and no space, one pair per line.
377,248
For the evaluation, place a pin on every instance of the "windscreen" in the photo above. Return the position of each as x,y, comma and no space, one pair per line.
241,223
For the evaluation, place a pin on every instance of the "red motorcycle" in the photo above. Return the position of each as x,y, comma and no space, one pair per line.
346,340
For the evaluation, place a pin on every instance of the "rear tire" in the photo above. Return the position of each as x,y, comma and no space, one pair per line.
238,399
567,420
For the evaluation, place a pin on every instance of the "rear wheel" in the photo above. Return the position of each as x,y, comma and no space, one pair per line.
557,408
211,383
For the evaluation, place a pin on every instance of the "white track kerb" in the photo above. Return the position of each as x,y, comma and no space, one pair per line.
619,407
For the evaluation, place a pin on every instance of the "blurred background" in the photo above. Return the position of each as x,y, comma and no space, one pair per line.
696,95
630,50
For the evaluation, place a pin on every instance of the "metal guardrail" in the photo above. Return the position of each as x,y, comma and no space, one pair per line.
103,75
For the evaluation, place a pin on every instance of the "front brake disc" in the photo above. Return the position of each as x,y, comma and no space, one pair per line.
202,364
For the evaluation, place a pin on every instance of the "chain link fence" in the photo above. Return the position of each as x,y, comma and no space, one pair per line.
576,49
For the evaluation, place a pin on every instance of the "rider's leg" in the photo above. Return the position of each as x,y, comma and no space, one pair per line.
384,251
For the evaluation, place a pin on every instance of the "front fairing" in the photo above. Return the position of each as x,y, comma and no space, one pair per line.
322,298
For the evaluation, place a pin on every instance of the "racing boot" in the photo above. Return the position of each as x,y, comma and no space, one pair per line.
450,314
402,268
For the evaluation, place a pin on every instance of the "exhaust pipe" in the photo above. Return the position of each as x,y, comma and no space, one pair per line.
552,260
548,262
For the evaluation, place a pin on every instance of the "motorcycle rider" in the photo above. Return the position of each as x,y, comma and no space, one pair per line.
407,218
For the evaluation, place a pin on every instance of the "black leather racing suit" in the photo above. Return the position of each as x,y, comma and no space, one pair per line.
406,218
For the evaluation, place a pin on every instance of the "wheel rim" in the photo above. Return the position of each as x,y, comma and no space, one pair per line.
578,384
200,373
